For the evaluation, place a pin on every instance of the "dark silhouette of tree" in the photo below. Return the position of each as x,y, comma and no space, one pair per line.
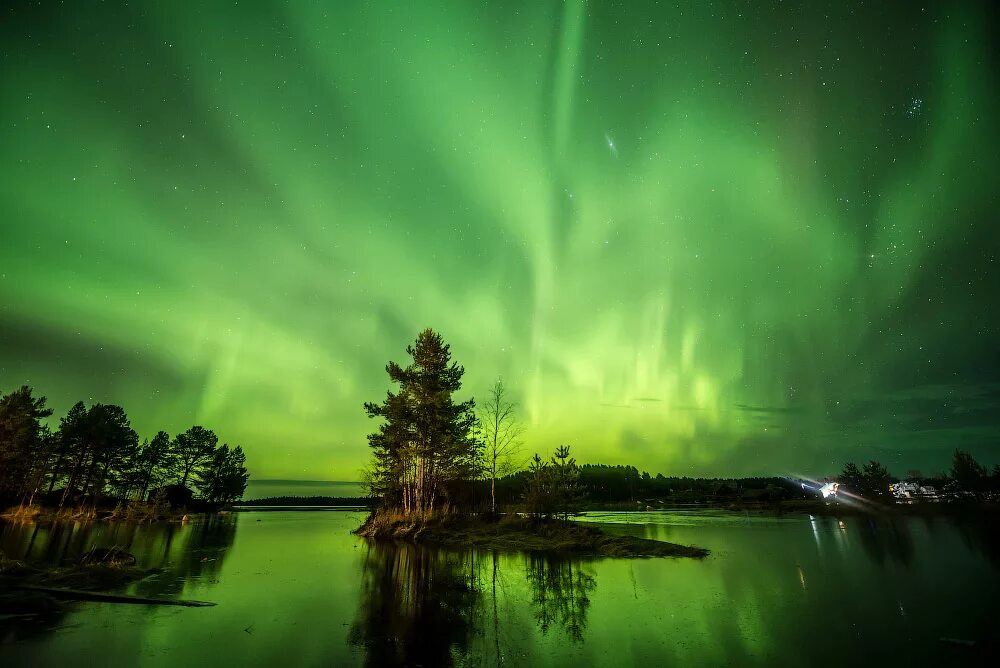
21,440
552,488
154,464
224,477
967,472
876,480
74,443
871,481
97,441
426,441
191,450
95,455
501,432
852,478
539,496
565,475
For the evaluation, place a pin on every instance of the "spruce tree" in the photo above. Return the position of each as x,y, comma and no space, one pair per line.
425,443
21,436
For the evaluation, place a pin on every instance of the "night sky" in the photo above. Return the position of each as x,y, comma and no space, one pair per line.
697,237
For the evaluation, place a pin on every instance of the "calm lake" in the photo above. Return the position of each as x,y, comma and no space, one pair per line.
298,589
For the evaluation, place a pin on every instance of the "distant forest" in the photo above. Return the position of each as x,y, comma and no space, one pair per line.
599,484
621,486
94,458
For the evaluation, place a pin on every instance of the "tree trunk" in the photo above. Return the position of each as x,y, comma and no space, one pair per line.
55,473
73,477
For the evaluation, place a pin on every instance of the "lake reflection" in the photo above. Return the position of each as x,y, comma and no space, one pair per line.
300,589
416,606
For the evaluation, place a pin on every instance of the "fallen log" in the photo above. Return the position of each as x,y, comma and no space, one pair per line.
82,595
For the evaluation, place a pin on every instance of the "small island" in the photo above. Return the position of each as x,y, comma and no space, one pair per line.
429,451
513,533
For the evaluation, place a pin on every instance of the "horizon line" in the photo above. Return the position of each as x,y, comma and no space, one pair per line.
295,480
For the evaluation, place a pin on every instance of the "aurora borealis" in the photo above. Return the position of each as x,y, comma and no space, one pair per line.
700,238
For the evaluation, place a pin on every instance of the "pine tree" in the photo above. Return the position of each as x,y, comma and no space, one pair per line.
21,436
223,478
154,463
852,478
967,472
876,480
538,496
566,475
426,440
190,450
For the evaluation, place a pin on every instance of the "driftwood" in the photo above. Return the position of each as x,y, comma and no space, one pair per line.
81,595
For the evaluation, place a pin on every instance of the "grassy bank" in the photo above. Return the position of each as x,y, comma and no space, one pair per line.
515,533
122,512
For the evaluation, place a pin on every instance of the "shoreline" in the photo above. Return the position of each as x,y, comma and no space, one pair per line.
45,515
513,533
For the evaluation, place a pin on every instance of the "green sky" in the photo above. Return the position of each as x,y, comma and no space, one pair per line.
701,238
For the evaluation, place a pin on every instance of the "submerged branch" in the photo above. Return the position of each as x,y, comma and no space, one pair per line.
84,595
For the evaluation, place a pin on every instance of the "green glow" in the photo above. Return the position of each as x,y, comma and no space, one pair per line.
236,215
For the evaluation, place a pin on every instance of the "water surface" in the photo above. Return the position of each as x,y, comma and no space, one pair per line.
297,588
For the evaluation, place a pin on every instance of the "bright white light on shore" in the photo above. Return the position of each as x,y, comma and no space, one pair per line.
829,489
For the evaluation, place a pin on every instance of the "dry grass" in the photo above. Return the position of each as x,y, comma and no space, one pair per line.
515,533
77,514
22,513
140,511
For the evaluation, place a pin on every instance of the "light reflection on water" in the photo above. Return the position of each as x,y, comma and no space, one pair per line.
299,588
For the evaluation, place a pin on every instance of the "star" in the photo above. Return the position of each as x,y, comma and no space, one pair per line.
612,148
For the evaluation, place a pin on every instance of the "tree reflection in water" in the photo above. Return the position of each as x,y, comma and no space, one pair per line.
417,606
427,607
187,554
175,554
885,539
560,589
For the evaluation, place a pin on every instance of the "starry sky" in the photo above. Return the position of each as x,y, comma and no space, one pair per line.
698,237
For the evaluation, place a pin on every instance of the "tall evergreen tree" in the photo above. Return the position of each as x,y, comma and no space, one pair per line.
852,478
538,495
967,472
223,478
426,440
190,450
154,464
21,438
94,445
113,442
565,474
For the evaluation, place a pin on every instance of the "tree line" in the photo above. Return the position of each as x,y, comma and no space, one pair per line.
94,454
872,480
624,484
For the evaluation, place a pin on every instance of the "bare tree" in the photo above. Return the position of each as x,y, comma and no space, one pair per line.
501,435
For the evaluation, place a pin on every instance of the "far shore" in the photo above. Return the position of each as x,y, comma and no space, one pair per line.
146,512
